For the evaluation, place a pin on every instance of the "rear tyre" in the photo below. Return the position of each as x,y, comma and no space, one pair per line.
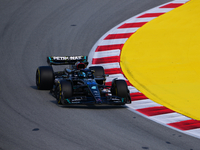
45,78
99,74
120,88
64,90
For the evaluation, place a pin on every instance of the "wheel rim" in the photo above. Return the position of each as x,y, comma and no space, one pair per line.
57,94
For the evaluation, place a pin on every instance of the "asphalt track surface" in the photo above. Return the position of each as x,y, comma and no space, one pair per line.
31,119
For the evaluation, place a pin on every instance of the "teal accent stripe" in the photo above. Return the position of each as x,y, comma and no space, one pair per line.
68,100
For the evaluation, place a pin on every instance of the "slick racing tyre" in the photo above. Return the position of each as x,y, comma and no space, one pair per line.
99,74
64,90
44,78
119,88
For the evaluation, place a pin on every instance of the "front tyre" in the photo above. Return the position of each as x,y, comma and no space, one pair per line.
63,91
120,88
44,77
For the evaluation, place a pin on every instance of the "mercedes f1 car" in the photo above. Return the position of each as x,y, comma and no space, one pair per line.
80,85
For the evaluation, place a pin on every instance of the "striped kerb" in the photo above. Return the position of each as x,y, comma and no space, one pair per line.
112,66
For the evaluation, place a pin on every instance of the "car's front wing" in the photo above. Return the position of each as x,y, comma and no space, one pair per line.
110,100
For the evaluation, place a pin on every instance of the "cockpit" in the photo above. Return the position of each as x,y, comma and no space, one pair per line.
86,73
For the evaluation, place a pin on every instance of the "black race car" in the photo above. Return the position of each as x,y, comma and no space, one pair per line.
80,85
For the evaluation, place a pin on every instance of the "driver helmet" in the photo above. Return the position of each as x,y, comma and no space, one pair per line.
82,74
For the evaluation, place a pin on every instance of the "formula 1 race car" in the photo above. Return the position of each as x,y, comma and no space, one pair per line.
80,85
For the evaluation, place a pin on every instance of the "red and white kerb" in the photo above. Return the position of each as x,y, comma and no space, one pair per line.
106,52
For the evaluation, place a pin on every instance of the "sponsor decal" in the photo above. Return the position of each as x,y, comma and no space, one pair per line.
67,58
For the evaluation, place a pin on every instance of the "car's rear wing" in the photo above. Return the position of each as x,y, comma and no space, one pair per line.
66,60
